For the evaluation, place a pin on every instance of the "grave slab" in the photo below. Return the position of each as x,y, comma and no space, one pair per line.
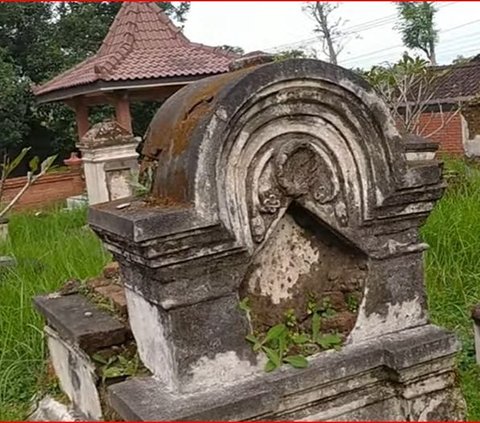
79,322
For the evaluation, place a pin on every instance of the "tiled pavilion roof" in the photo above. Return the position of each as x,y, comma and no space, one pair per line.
458,82
142,43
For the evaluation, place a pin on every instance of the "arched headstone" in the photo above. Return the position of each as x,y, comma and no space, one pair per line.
285,184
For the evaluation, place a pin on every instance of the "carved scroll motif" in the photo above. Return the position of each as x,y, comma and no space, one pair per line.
294,171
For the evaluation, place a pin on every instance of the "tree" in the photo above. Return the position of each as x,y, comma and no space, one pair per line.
408,88
37,42
328,28
460,60
290,54
27,36
14,102
232,49
417,27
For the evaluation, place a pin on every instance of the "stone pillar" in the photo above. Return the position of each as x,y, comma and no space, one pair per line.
109,161
122,112
81,116
283,208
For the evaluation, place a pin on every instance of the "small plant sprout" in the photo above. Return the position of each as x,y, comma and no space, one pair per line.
288,343
352,303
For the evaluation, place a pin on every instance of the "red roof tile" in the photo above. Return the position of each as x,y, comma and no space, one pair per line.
142,43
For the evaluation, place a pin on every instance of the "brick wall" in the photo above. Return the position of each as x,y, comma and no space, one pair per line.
49,189
450,137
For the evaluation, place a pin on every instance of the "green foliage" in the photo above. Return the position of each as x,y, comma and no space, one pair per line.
8,166
406,87
233,49
453,277
461,60
286,343
117,365
417,26
392,76
27,34
49,250
37,42
290,54
14,102
352,303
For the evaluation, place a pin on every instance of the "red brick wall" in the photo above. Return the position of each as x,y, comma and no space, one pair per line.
450,137
49,189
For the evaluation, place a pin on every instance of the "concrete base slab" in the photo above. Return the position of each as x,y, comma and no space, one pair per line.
406,376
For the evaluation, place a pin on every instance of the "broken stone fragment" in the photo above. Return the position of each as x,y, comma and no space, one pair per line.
70,287
111,270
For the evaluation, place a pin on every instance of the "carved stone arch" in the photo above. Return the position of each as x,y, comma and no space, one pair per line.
332,119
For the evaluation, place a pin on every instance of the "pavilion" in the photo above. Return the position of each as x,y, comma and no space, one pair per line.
144,57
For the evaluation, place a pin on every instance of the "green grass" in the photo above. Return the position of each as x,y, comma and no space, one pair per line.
50,249
56,247
453,269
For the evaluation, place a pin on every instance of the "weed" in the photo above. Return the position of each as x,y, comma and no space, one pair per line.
285,343
352,303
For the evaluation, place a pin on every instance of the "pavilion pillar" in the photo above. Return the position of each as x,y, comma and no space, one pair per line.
122,112
81,116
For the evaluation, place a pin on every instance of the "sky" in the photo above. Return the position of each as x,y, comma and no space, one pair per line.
372,39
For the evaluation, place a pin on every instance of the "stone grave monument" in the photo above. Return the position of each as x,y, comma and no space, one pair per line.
109,159
275,271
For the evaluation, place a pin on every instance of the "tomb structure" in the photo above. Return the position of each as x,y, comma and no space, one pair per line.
109,161
286,187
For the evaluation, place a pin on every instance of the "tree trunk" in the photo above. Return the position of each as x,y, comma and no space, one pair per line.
332,54
432,56
323,21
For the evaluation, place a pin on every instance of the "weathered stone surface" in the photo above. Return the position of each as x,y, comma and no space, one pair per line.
109,158
81,323
50,410
105,134
279,182
111,270
290,270
395,378
114,293
77,201
76,374
418,148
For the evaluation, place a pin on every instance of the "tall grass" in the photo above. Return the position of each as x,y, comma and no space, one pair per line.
49,249
453,269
